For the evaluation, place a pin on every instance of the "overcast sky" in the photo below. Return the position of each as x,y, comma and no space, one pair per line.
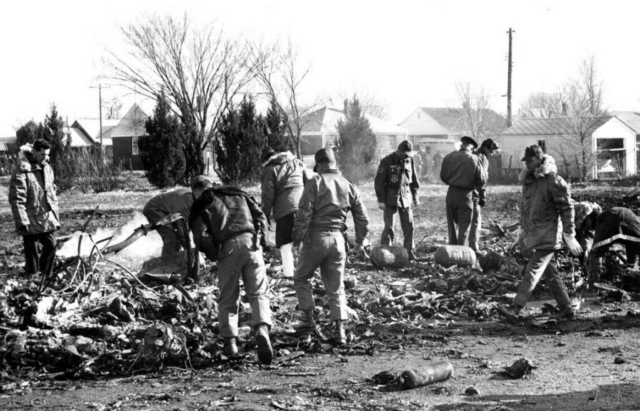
407,53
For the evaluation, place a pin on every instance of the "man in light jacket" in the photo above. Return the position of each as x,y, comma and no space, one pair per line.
34,204
547,218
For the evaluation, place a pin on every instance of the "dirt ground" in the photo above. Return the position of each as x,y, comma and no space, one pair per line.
591,363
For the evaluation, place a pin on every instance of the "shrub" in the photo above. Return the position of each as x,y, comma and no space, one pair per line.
93,175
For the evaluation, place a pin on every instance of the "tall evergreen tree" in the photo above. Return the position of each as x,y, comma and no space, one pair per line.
60,141
276,126
356,143
28,133
162,150
239,144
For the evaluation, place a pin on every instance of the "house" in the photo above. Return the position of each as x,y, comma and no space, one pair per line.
124,137
319,129
611,143
85,131
434,129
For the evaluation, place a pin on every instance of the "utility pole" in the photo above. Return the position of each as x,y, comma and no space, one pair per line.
100,114
510,69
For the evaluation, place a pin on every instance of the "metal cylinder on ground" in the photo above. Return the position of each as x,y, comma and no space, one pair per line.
389,256
450,255
430,373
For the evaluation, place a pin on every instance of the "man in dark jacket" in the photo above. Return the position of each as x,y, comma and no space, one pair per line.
396,186
464,173
486,150
317,232
32,195
282,184
234,223
618,225
174,236
547,218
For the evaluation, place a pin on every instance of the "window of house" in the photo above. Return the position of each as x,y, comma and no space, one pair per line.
543,145
134,146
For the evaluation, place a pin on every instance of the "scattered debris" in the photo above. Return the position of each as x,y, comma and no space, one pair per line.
519,369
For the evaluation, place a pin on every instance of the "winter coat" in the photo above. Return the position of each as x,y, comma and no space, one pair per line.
325,202
462,169
617,224
547,209
585,221
171,202
32,195
481,193
396,181
282,184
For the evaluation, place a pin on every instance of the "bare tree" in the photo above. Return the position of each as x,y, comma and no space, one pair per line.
542,105
201,69
583,108
281,74
370,103
111,108
477,119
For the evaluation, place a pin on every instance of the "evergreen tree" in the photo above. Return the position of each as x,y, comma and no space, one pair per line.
239,144
356,144
276,126
162,150
60,141
29,133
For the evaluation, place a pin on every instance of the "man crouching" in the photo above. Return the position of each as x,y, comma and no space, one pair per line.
546,201
235,225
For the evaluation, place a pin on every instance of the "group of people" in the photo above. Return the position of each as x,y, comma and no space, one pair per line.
310,212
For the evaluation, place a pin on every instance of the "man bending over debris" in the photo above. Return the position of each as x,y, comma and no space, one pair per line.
486,150
174,236
616,225
547,217
282,185
326,199
32,195
586,216
464,173
235,223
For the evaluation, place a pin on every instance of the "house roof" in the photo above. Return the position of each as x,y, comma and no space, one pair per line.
557,126
79,138
445,120
325,119
630,119
91,129
132,124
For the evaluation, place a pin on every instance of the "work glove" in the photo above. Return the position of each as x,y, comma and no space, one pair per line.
264,244
416,202
572,244
296,250
481,202
361,249
382,206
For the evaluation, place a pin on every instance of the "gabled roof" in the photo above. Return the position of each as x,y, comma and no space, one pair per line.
132,124
556,126
630,119
91,129
325,119
79,138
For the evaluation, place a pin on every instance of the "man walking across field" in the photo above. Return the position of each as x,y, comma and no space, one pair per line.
396,186
463,172
282,185
547,217
34,204
229,227
317,233
486,150
174,236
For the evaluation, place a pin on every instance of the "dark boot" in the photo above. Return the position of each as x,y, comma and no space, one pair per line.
340,336
306,323
230,347
265,352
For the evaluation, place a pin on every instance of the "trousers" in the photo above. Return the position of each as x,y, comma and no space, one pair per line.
406,222
241,258
542,263
476,225
459,204
36,260
173,237
324,249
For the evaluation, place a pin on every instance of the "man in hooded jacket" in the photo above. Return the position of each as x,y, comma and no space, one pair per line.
34,204
547,218
282,184
486,150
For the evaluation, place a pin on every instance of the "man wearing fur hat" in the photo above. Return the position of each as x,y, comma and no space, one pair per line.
463,172
32,195
282,184
486,150
547,217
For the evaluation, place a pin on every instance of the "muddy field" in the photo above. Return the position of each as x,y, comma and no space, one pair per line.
402,319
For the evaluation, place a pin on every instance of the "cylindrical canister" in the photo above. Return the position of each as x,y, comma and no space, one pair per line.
389,256
430,373
449,255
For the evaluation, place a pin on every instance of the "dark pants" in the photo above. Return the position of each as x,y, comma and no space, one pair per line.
36,260
173,235
459,215
596,257
542,264
406,222
476,226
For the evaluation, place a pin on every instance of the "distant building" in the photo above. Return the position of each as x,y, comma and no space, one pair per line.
434,129
124,137
319,130
612,143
